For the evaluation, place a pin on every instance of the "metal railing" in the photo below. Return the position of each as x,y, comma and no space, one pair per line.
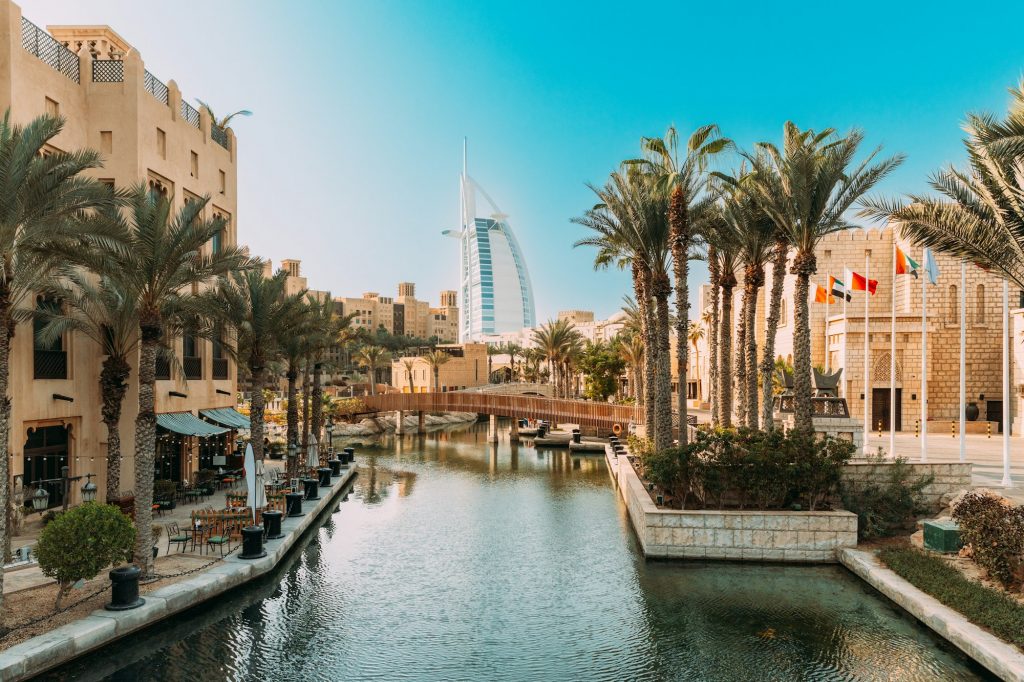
107,71
220,368
219,135
155,87
820,407
44,46
189,113
163,369
193,367
50,364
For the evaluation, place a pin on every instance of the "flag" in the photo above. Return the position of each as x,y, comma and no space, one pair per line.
837,288
821,295
905,265
931,267
859,283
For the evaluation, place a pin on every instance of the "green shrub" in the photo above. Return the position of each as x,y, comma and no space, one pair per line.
885,509
81,542
982,605
48,516
994,529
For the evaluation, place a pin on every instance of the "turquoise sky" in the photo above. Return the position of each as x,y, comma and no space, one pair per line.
351,160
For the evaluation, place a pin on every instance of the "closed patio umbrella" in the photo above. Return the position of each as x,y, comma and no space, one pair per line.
257,495
313,453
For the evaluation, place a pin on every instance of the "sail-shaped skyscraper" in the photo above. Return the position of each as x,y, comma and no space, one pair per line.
495,293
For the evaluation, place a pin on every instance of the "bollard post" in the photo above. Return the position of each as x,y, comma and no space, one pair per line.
124,589
988,429
952,429
917,428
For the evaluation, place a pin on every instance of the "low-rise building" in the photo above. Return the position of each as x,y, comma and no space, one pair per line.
466,367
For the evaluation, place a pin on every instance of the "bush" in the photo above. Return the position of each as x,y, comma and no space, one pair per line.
48,516
982,605
994,530
81,542
884,510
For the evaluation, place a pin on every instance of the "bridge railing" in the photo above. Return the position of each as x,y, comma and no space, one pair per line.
600,416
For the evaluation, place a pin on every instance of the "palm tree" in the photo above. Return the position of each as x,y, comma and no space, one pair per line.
715,279
694,336
724,258
326,331
224,121
293,343
41,200
492,350
372,358
260,315
435,359
806,188
767,367
708,320
978,215
513,350
560,342
159,264
631,350
684,181
410,365
103,313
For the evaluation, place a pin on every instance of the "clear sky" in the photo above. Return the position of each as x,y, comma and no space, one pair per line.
351,160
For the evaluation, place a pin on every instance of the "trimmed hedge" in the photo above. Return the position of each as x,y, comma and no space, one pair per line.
981,605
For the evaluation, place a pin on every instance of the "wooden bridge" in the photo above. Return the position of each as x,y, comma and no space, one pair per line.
600,417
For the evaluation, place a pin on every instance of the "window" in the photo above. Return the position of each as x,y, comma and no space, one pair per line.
107,141
953,307
159,186
223,182
161,143
50,359
195,164
190,360
220,362
979,304
217,242
52,108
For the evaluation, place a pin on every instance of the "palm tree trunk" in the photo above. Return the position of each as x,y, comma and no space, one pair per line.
305,404
293,404
752,282
641,286
256,409
741,362
437,376
145,446
804,266
663,419
725,354
113,387
6,510
774,312
713,392
680,240
318,401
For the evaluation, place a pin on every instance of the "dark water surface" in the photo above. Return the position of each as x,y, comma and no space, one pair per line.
455,560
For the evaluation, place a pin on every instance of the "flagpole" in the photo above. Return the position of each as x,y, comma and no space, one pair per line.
828,299
892,357
963,360
924,358
846,329
867,350
1007,480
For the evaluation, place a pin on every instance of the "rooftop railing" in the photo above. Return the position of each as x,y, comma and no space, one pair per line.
155,87
107,71
44,46
219,135
189,114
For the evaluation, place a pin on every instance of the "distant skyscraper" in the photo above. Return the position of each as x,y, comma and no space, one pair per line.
494,286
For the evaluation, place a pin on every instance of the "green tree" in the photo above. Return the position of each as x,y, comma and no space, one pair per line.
409,364
81,542
631,350
372,358
601,366
724,260
42,199
807,188
435,359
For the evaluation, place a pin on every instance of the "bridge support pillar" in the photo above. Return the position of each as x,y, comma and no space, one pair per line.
513,432
492,429
419,423
399,422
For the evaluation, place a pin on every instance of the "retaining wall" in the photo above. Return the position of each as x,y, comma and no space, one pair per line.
949,478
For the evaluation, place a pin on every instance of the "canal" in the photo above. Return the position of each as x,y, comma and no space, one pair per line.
454,559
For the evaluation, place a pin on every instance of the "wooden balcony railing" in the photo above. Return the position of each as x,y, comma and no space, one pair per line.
50,364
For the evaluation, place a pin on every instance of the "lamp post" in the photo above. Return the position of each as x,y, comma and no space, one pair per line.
41,497
293,452
89,489
329,428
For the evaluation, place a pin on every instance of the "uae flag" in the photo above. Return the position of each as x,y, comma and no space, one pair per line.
837,288
905,265
860,283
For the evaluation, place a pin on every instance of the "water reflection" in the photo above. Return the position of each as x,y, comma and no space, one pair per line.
456,559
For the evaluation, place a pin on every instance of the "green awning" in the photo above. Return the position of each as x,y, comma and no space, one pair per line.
226,416
187,424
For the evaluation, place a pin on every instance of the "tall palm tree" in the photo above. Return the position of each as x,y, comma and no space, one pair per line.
694,336
293,343
435,359
715,279
767,367
42,198
372,358
726,260
806,188
631,349
101,312
978,214
559,341
492,350
513,350
327,331
707,320
410,365
159,263
684,181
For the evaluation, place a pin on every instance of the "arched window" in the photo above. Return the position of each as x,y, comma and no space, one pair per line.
954,306
979,304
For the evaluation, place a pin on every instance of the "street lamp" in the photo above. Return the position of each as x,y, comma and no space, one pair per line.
330,435
40,499
89,489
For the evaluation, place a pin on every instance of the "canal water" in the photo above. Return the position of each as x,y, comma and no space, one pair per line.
452,559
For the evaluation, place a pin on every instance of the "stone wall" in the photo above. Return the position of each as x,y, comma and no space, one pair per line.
949,478
749,535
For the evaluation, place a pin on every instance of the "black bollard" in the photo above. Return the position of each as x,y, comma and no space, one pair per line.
576,436
335,465
350,455
272,522
252,543
294,503
325,477
312,487
124,589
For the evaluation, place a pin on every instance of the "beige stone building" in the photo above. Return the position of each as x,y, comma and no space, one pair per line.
466,368
404,315
147,133
839,332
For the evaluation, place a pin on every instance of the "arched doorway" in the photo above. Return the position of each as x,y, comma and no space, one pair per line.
47,451
880,393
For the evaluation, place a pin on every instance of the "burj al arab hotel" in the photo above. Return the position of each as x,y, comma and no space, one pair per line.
495,293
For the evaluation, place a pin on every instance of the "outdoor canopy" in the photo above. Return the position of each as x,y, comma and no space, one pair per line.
187,424
226,416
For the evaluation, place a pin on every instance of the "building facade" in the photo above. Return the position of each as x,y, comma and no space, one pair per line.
147,132
466,368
